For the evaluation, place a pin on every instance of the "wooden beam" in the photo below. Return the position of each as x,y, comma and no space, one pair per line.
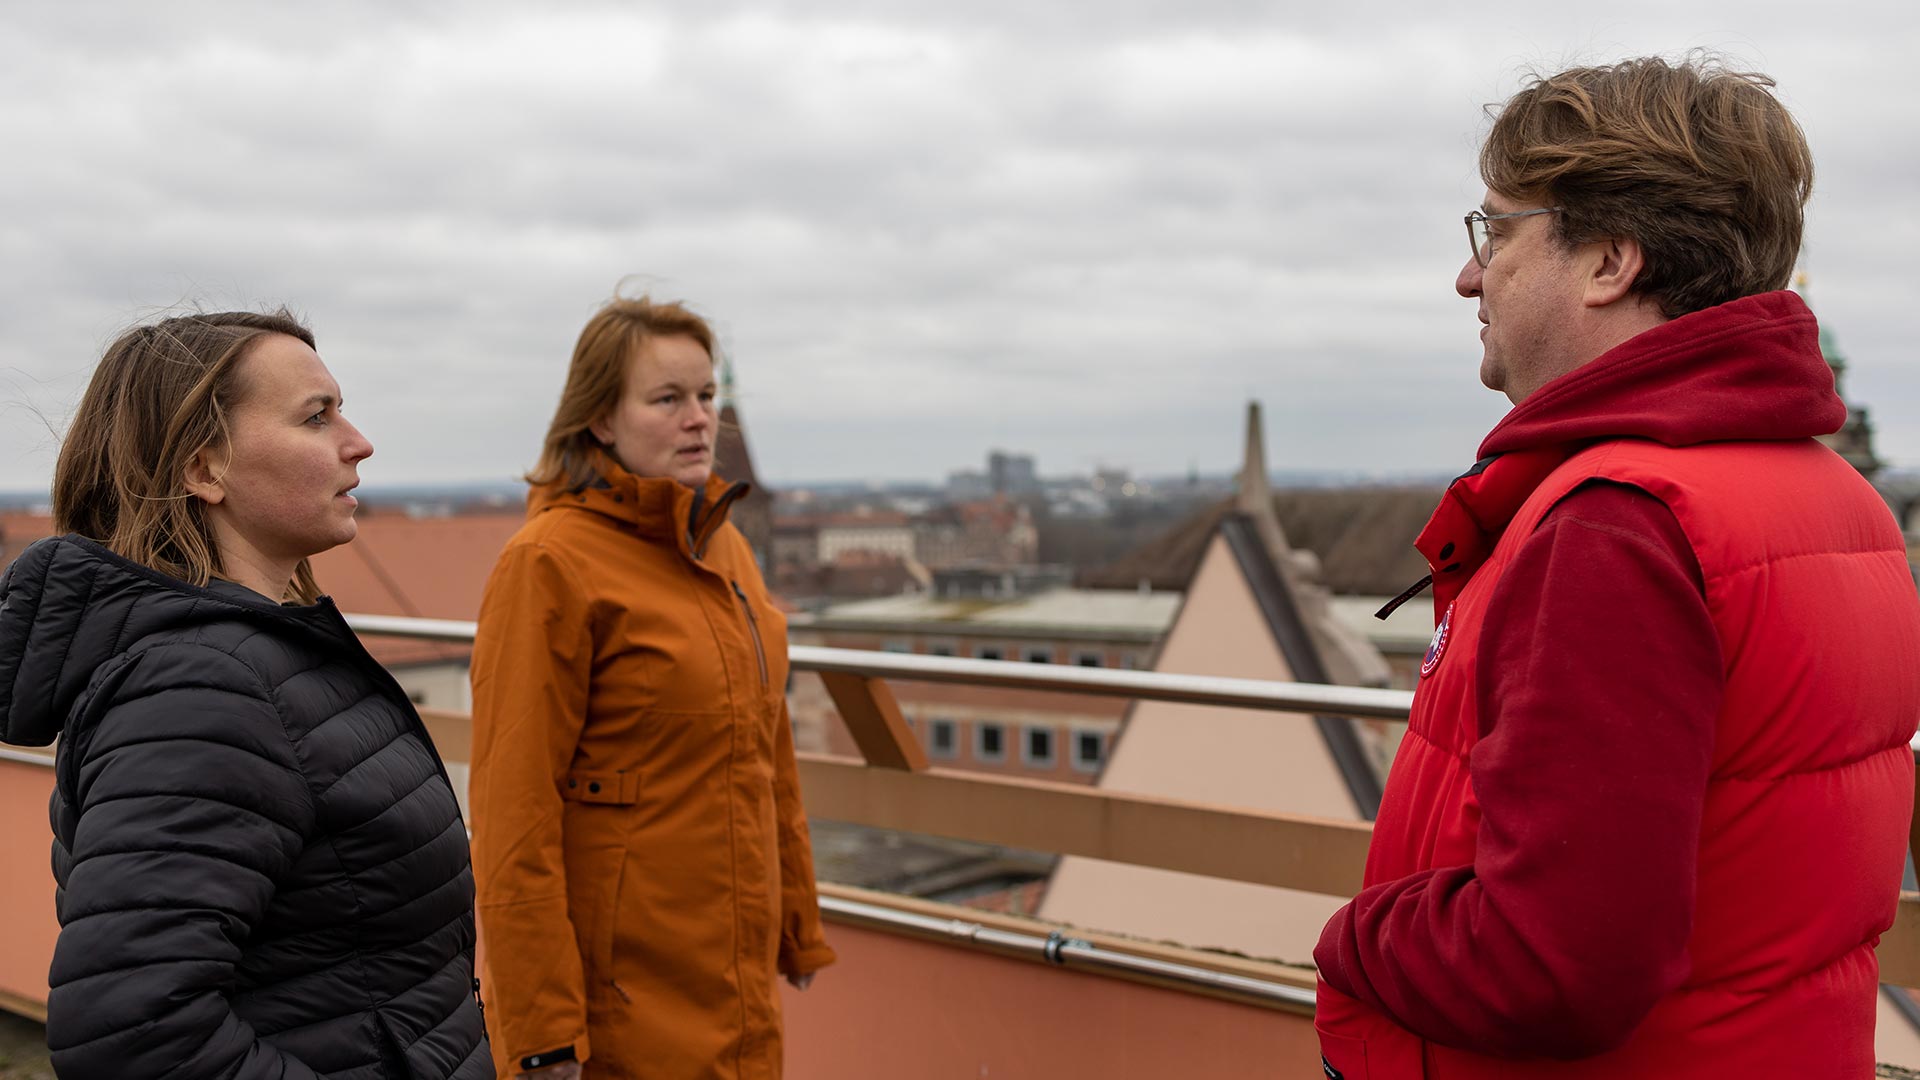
31,1008
1900,947
452,734
1913,824
1311,854
873,719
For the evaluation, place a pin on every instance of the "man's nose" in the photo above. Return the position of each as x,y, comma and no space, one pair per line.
1468,283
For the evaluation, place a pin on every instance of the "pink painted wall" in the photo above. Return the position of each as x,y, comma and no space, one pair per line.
904,1009
27,923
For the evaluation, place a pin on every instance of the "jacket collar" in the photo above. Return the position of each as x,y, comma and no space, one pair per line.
1750,369
655,507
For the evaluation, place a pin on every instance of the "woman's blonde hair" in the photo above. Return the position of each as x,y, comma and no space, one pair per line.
598,374
161,395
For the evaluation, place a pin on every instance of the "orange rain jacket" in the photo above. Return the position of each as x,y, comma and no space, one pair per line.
640,851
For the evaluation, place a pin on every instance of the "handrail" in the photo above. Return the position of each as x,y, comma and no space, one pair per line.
1312,698
1316,698
1062,949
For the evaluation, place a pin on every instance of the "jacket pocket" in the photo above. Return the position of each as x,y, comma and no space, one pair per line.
1342,1057
593,789
393,1052
602,788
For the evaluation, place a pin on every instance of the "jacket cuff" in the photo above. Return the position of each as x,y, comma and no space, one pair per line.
578,1050
546,1058
805,959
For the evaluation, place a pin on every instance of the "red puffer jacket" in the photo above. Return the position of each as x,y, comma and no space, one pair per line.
1450,963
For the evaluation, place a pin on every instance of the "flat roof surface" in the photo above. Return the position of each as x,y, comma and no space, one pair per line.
1105,610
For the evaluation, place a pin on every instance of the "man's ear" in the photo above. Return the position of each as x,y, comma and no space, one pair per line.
1618,263
202,476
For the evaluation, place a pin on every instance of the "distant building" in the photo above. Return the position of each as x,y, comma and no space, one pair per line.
854,575
996,532
998,582
968,484
1012,474
1051,736
796,542
882,532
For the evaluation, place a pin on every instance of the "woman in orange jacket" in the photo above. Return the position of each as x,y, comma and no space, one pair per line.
639,845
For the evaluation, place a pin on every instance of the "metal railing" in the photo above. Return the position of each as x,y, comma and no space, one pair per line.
1320,856
1315,698
868,671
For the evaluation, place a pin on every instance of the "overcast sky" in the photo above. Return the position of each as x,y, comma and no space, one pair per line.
1085,230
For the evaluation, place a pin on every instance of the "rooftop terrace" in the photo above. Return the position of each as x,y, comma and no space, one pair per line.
932,989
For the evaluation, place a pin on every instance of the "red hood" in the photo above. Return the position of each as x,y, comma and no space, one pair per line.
1749,369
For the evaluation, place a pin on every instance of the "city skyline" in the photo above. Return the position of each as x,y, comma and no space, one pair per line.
920,233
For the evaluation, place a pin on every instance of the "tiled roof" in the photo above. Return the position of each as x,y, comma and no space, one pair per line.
1362,536
433,568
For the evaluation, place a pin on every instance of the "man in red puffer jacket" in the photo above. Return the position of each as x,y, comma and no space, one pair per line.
1651,812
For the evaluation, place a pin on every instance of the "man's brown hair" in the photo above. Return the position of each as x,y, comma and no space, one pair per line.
161,394
1699,163
598,375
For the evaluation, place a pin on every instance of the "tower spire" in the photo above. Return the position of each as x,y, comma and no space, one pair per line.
1256,494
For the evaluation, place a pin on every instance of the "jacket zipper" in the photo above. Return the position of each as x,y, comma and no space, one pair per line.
753,625
700,528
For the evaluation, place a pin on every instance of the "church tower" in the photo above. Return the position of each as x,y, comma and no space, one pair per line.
1854,440
753,514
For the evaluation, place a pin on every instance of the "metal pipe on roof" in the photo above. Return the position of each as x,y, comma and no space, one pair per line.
1059,950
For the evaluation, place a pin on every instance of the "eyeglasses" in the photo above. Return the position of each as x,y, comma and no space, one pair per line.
1481,237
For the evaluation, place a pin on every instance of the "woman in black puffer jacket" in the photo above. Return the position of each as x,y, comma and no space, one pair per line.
263,870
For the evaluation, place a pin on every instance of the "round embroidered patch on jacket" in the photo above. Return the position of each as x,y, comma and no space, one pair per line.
1437,648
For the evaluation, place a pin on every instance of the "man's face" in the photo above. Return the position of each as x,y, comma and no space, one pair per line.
1530,302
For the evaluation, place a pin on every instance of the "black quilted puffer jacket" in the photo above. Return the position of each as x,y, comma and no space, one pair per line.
263,872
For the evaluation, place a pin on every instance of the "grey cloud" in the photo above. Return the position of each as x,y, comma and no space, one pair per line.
1090,230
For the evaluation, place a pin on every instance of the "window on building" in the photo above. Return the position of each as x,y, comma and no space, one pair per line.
1089,750
940,648
1039,654
1088,659
1129,660
989,652
1037,750
897,645
942,739
990,742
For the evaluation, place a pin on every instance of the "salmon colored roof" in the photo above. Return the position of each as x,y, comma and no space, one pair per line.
17,530
427,568
432,568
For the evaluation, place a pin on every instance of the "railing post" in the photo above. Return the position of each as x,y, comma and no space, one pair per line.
873,719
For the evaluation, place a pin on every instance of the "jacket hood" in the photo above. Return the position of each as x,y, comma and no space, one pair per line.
653,506
68,606
1748,369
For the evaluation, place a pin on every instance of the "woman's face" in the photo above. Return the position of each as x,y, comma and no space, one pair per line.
664,422
280,488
